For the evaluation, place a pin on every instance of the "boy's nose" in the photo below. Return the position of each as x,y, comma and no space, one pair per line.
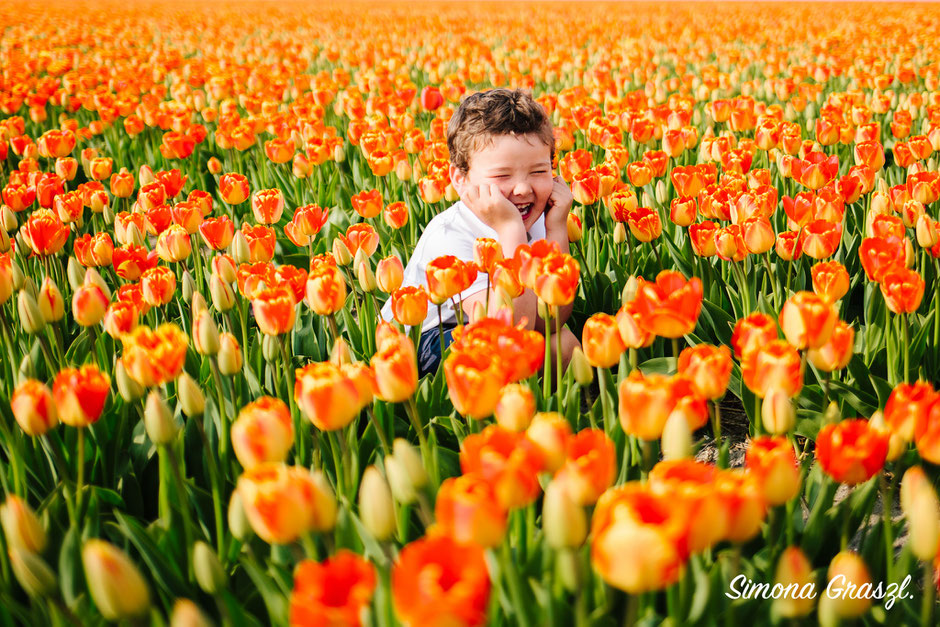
521,188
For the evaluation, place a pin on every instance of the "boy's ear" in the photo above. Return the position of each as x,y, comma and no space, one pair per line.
458,179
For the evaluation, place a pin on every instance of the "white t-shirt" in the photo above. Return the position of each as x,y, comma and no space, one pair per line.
451,232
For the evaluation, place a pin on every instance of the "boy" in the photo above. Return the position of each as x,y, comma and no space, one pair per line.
501,151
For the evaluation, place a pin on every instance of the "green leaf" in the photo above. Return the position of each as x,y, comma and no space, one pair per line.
71,576
164,571
274,601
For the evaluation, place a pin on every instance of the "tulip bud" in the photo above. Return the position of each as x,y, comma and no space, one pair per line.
205,334
450,194
777,412
341,253
340,354
214,166
230,355
89,305
107,212
406,473
629,290
198,304
339,153
563,519
116,585
16,275
239,248
366,277
376,508
189,286
515,407
660,192
794,568
29,286
31,319
7,219
271,348
922,508
21,526
677,437
192,400
145,175
223,296
478,312
158,421
92,277
927,231
4,241
583,373
129,389
210,575
32,573
574,228
51,302
132,235
620,233
238,522
847,574
186,613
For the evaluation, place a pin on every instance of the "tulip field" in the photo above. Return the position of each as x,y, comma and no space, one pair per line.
205,419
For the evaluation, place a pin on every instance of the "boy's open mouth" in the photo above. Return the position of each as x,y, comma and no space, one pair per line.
525,209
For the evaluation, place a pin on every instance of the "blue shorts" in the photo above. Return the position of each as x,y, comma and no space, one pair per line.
429,348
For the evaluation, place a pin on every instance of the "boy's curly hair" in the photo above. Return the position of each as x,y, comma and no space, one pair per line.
486,114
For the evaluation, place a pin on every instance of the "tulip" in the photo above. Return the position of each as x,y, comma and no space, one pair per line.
669,307
376,508
647,401
468,510
602,341
590,465
406,473
830,280
708,368
284,502
115,583
233,188
515,408
836,353
158,421
335,592
325,290
849,583
21,527
389,274
263,432
807,320
192,400
33,407
473,382
32,573
396,367
410,305
922,508
794,574
154,356
775,365
851,451
507,461
230,355
908,406
563,521
439,581
903,290
80,395
326,396
550,432
267,205
773,461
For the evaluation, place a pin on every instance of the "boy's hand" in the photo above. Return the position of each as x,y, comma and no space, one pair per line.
494,209
559,204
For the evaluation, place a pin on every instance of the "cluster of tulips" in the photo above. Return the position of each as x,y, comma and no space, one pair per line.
206,419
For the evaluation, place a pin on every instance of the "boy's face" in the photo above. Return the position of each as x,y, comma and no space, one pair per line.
521,165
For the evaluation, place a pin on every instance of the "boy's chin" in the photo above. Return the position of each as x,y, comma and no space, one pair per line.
530,220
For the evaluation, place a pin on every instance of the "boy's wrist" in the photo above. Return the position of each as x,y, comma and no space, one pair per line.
510,236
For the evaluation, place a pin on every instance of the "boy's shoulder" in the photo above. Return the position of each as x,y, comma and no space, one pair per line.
454,226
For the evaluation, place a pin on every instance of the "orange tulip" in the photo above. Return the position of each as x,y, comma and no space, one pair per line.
631,330
326,290
261,242
158,285
807,320
367,204
851,451
585,187
274,310
907,406
80,395
468,510
233,188
556,281
903,290
396,215
447,276
821,238
486,252
334,592
310,219
515,408
743,500
507,461
670,306
702,236
645,224
647,401
774,365
263,432
708,368
602,341
153,357
836,353
360,236
439,581
284,502
217,233
410,305
89,304
590,467
94,251
389,274
45,233
773,461
473,382
751,333
395,364
120,318
927,432
830,280
880,256
267,206
33,407
326,395
173,244
639,539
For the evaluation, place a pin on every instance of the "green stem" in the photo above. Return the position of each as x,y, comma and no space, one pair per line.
511,575
220,401
605,401
905,339
216,487
289,376
80,472
184,509
886,506
558,390
547,370
926,608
